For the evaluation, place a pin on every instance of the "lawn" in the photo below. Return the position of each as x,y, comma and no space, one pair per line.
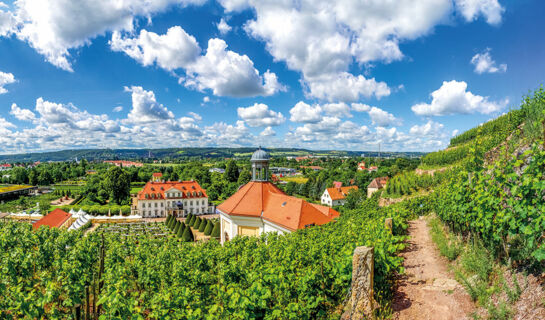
135,190
297,179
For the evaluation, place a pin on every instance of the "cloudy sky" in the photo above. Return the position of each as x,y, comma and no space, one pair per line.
319,74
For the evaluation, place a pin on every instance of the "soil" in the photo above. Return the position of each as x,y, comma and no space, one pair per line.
428,289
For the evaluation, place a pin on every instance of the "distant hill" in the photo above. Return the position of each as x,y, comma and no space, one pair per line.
147,155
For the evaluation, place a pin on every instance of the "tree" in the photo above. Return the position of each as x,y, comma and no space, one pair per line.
33,177
45,178
216,230
181,230
244,177
187,236
231,171
19,175
118,184
209,227
177,227
353,199
202,225
196,223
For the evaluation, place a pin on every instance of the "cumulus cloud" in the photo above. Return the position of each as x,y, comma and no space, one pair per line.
4,125
382,118
145,107
321,38
454,98
228,135
491,10
54,27
195,115
173,50
303,112
223,27
484,64
5,78
340,109
7,22
259,115
22,114
227,73
118,109
428,129
268,132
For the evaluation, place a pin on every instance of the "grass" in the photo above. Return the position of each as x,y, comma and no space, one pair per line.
136,189
297,179
482,277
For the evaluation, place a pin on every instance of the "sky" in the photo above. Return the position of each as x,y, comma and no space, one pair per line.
345,75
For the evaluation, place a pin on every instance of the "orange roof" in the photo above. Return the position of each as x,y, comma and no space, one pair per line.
337,184
265,200
340,193
157,174
312,167
55,218
156,190
378,183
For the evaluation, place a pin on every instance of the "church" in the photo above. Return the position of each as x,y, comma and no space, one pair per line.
259,206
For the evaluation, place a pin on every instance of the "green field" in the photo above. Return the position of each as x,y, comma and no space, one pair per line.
295,179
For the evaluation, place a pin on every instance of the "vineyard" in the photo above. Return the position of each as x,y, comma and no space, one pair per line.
408,183
303,275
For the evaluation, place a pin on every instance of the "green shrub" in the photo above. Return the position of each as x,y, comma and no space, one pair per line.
187,236
177,227
216,230
208,228
181,230
202,225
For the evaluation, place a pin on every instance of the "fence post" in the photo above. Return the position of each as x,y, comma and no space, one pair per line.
361,303
389,224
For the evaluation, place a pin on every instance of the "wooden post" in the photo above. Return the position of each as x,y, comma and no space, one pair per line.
361,303
87,303
389,224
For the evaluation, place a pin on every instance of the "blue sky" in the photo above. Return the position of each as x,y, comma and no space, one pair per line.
315,74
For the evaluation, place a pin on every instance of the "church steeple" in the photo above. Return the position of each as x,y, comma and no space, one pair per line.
260,165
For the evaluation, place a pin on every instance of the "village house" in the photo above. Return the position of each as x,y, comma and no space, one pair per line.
361,167
124,163
259,206
159,198
376,185
336,196
55,219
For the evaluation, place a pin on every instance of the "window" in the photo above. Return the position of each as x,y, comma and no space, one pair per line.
197,210
155,205
149,204
191,202
161,204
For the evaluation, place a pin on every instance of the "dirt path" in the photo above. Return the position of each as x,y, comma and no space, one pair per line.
428,290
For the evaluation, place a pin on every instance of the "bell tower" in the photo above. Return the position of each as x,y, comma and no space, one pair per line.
260,165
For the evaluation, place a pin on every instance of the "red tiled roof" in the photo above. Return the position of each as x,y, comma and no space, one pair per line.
378,183
55,218
157,174
156,190
337,184
124,163
340,193
265,200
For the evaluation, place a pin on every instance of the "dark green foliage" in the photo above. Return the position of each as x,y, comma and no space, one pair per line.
187,236
181,230
196,223
216,231
231,171
202,225
209,227
118,184
177,227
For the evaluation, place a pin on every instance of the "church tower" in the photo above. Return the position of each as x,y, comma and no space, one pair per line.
260,165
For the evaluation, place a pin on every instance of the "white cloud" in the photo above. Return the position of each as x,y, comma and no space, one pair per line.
305,113
453,98
483,63
223,27
472,9
4,125
22,114
54,27
223,134
428,129
268,132
227,73
7,21
173,50
5,78
145,107
195,115
345,87
360,107
259,115
206,99
455,132
118,109
340,109
382,118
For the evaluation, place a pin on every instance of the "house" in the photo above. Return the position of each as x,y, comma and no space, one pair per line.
123,163
259,206
336,196
361,167
376,185
5,166
178,198
216,170
55,219
156,177
315,168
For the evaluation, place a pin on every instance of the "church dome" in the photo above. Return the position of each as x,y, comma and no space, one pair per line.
260,155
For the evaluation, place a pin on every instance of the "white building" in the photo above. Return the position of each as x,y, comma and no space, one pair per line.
159,198
259,206
336,196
